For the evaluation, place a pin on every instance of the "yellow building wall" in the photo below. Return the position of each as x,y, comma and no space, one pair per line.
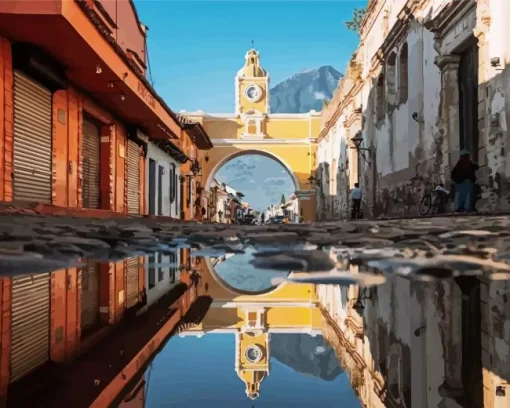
275,317
284,317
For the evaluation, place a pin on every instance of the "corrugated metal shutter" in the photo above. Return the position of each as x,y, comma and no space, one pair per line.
133,178
132,281
30,325
89,296
91,147
32,140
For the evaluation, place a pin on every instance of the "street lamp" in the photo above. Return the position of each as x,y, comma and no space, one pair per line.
313,180
357,140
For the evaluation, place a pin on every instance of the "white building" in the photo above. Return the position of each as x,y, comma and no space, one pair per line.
429,78
163,184
161,274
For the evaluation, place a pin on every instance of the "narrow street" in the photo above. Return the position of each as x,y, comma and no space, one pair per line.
443,279
309,212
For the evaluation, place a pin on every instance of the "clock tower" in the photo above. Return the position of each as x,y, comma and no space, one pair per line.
252,96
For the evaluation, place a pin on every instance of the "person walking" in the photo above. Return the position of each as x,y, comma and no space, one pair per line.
356,196
464,177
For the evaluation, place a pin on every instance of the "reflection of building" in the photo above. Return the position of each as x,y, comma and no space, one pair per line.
161,273
422,344
78,317
252,319
286,138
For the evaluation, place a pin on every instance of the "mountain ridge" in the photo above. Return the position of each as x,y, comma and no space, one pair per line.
305,90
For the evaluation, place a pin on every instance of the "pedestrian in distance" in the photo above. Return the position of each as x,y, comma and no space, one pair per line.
464,177
356,196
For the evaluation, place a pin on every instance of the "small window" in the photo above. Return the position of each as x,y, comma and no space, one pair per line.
380,97
403,74
391,79
152,271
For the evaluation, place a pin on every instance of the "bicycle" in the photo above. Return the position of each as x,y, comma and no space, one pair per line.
436,199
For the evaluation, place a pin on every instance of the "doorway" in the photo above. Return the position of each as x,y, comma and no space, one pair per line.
468,99
152,187
472,377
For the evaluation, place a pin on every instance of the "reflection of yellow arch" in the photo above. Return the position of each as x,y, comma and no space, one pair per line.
260,151
233,291
286,292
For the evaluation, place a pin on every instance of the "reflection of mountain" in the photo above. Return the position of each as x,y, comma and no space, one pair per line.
305,354
238,273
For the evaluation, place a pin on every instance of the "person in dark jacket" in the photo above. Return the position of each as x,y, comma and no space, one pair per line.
464,177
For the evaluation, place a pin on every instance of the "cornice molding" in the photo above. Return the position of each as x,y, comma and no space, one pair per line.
450,14
355,89
268,142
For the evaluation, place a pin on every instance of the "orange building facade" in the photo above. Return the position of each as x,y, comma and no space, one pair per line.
76,114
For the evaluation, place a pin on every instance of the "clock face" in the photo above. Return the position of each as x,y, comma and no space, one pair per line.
253,93
253,354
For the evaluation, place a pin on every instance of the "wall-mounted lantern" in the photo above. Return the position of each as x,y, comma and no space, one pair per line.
313,180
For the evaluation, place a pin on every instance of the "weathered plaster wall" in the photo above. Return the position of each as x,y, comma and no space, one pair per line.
496,342
419,132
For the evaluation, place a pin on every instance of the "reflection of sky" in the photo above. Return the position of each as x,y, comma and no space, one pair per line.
191,372
237,272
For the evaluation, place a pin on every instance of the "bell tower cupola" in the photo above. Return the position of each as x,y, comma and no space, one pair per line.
252,86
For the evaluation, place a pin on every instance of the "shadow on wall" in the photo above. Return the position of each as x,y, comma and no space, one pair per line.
431,160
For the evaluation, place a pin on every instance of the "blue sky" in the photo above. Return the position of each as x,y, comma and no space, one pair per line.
196,47
262,180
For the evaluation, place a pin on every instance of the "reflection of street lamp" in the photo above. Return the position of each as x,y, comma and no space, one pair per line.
359,307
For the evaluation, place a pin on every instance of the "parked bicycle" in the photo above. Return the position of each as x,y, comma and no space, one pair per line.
436,200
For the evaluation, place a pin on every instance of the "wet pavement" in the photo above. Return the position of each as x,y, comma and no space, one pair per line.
326,314
37,244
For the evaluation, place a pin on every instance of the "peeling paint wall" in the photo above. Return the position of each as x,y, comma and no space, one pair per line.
413,128
407,341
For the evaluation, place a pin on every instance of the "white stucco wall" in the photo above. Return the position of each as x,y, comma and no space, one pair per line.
163,159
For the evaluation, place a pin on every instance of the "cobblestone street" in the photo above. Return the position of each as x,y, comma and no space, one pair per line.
438,247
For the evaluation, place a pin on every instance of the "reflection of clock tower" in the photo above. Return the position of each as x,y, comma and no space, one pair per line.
252,96
252,352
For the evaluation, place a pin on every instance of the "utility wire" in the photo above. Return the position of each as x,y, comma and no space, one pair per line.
151,79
